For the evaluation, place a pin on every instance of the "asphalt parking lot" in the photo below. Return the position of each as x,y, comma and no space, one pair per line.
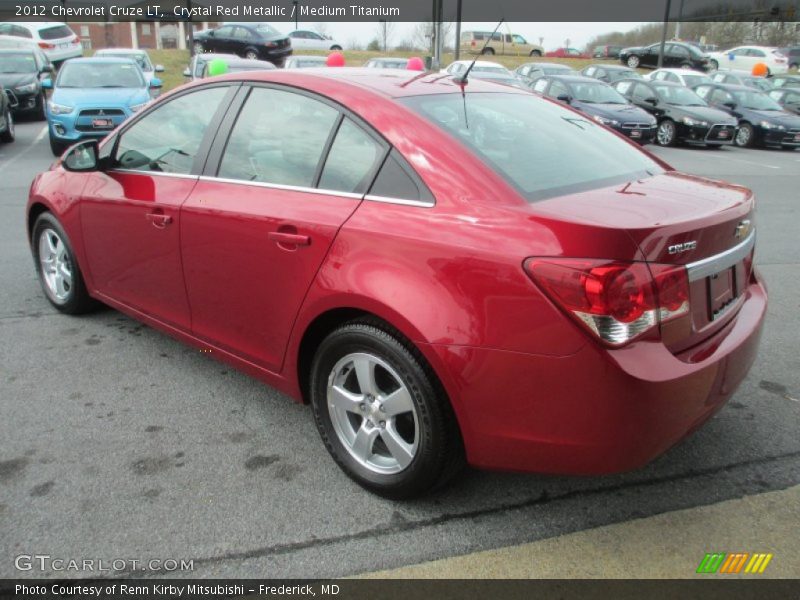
117,442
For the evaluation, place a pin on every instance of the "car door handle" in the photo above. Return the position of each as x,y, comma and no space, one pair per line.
283,238
159,220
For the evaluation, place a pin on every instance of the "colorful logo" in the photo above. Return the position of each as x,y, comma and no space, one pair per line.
734,563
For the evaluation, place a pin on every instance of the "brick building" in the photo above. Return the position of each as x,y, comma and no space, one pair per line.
135,34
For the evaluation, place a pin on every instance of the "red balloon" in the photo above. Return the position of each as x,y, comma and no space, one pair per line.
335,59
415,64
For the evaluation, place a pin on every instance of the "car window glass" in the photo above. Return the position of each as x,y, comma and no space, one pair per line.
497,37
541,85
396,179
791,98
167,139
518,39
198,67
591,71
557,89
508,39
240,33
352,159
720,97
702,91
673,77
756,52
641,92
278,138
226,31
624,87
681,51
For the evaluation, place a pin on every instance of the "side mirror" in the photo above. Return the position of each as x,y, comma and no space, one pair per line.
187,72
159,69
81,157
47,83
652,100
731,105
565,98
155,83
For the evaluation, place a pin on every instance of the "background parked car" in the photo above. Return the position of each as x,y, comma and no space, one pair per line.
387,62
788,98
530,72
239,65
676,54
486,70
21,74
7,131
782,81
606,51
140,57
793,54
744,58
566,53
303,39
304,61
91,96
610,73
601,102
56,40
682,115
741,78
507,44
762,121
685,77
256,41
198,62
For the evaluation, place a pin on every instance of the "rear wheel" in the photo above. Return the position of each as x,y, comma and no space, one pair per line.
535,53
381,413
633,61
488,51
198,48
251,54
686,66
57,268
667,133
8,135
745,135
714,64
336,47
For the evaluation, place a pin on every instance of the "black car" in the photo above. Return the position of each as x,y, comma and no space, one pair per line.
793,54
676,54
606,51
788,98
682,115
762,121
21,74
729,77
256,41
601,102
786,81
6,118
610,73
530,72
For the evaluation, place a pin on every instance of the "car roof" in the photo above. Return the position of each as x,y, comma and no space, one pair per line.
480,63
611,67
37,25
394,83
120,51
678,71
575,79
388,58
249,61
308,56
101,60
732,87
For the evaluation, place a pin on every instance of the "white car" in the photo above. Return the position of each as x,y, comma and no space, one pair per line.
140,57
458,67
57,40
744,58
303,39
685,77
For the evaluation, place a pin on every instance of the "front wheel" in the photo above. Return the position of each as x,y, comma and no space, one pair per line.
535,53
745,136
634,61
714,65
488,51
198,48
41,108
9,134
667,133
56,147
57,268
381,413
336,47
251,55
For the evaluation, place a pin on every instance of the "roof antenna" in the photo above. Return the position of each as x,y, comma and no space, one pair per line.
462,79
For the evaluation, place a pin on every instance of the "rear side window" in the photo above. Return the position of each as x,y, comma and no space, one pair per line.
279,138
55,33
539,147
397,180
352,160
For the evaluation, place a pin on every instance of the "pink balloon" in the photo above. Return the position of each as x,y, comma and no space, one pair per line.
335,59
415,64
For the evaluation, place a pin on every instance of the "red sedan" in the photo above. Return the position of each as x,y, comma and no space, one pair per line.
566,53
485,277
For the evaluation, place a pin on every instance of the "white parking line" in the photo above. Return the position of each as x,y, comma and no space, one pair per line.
39,137
739,160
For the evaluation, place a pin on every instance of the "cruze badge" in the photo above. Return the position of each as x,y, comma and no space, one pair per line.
742,229
684,247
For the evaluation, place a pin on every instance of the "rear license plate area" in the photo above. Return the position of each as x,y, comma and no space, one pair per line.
722,291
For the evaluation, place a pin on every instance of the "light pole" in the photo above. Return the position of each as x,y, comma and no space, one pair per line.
458,30
664,36
678,22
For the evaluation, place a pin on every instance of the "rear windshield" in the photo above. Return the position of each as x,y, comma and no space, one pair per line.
99,75
55,33
541,148
267,30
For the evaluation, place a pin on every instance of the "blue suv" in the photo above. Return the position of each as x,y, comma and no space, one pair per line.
91,96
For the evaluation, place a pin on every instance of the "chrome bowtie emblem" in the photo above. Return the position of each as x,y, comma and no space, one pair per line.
742,229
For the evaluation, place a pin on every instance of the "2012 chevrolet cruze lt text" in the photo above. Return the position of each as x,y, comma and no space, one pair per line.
447,273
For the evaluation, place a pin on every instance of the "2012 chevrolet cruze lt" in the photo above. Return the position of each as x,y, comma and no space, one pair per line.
533,294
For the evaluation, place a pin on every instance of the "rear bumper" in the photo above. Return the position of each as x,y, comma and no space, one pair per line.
597,411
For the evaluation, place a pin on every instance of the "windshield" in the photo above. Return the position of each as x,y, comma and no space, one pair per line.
267,30
596,93
756,101
139,59
17,63
693,80
99,75
497,70
679,96
552,69
541,148
302,63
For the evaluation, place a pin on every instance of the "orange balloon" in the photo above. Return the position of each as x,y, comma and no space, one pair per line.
415,64
760,70
335,59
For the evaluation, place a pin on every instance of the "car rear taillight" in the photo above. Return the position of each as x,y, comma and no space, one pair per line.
616,301
46,46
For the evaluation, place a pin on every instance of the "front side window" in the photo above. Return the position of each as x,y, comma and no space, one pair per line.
518,39
721,97
677,95
623,87
540,148
278,138
756,100
167,139
641,92
541,85
596,93
703,91
226,31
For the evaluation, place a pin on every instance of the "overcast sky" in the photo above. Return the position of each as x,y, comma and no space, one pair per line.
554,34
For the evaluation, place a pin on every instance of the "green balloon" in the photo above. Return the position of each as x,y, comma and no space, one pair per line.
217,67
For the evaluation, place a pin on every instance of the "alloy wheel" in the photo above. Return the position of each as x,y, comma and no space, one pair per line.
743,136
666,133
633,61
251,55
56,265
373,413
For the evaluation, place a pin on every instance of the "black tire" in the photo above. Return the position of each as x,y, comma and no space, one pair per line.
745,137
251,54
336,47
667,125
78,300
686,65
633,61
439,454
535,53
8,135
713,64
41,108
56,147
489,51
198,48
